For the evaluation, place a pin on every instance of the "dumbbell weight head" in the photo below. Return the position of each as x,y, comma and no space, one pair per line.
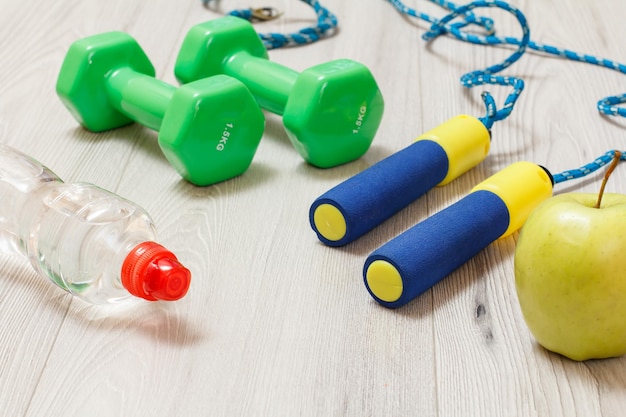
209,130
81,83
331,111
208,45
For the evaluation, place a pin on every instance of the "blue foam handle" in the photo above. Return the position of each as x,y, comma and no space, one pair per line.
375,194
432,249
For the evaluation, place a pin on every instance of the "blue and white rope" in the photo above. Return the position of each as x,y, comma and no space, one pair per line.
588,168
487,76
470,18
326,26
608,106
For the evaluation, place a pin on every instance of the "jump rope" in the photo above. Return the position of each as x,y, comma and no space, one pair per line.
414,261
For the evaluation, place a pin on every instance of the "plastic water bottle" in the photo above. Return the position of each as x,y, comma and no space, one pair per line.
90,242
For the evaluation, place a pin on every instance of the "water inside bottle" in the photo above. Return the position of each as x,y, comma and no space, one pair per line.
83,236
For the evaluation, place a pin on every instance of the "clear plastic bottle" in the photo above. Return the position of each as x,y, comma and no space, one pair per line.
92,243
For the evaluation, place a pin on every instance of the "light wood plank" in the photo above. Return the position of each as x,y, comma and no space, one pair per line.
275,323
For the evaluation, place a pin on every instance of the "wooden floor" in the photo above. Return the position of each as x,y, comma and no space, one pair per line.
275,323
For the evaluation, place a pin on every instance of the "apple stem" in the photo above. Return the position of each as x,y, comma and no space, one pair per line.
616,158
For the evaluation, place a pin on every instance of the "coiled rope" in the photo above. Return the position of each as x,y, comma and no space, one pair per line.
325,26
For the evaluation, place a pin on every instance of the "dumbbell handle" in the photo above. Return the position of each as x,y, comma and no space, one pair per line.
270,83
362,202
140,97
408,265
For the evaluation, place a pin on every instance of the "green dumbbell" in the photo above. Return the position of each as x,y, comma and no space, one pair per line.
209,130
330,111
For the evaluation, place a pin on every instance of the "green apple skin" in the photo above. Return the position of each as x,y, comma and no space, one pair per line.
570,275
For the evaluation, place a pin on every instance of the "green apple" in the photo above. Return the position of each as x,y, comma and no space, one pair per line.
570,275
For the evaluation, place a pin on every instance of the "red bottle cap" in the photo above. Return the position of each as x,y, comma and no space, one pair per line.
152,272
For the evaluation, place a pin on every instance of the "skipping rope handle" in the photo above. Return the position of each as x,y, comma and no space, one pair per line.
364,201
408,265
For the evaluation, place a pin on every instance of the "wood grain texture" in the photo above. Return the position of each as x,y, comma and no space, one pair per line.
276,324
